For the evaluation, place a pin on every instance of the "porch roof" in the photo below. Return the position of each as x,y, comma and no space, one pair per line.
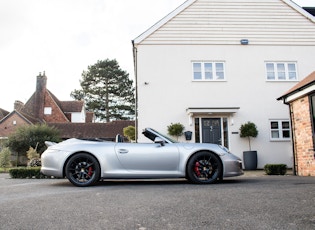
211,110
304,87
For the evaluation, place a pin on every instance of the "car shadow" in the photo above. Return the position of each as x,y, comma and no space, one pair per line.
161,182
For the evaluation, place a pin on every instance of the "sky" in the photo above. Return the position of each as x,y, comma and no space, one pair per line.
64,37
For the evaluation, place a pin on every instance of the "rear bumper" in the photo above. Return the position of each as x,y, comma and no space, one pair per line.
52,163
51,172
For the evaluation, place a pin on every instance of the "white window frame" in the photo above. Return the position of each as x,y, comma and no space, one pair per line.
279,130
276,71
214,71
47,110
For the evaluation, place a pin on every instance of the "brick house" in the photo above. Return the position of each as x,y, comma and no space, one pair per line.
3,113
70,117
301,101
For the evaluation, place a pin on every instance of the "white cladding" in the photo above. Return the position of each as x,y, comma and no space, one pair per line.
211,30
226,22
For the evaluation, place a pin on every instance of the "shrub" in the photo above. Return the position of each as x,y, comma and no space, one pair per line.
175,129
34,162
33,156
26,172
130,133
275,169
34,136
5,155
32,153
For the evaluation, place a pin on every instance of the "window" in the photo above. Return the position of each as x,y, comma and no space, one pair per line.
280,130
208,71
47,110
197,130
281,71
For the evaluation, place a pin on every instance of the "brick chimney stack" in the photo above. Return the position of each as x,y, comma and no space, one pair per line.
41,83
18,105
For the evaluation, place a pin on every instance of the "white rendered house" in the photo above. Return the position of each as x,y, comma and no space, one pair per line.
213,65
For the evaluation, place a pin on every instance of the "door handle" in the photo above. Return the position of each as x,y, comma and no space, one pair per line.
123,151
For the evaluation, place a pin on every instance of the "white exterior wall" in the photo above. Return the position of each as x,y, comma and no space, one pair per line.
209,30
78,116
171,90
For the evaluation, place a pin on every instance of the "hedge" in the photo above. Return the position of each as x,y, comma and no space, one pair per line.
26,172
275,169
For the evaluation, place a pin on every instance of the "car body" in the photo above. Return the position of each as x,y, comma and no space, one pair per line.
84,162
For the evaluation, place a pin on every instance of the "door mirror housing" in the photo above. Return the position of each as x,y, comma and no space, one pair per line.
159,140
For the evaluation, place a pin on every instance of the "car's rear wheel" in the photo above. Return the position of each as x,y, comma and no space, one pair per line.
82,170
204,168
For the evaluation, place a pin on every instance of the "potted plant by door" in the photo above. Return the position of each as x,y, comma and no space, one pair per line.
249,130
175,129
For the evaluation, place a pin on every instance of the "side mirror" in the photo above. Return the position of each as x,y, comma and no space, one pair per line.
159,140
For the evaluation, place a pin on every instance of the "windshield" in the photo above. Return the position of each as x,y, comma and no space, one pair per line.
152,134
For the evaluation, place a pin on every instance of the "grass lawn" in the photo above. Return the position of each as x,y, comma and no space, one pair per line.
4,170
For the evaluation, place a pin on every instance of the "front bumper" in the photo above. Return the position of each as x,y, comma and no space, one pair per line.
232,166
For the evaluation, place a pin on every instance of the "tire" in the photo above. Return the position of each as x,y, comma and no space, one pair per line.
204,168
82,170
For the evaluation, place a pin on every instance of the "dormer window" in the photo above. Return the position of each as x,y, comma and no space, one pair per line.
47,110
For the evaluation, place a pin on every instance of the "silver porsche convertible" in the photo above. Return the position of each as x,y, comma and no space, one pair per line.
84,162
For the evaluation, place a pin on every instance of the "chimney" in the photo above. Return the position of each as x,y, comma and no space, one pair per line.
18,105
41,82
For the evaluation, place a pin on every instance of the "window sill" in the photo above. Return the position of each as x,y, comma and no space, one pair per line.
282,80
280,140
209,80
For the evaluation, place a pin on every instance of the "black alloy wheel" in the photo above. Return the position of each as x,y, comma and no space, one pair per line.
82,170
204,168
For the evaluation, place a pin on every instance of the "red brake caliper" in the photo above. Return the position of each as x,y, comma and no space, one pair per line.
196,168
90,171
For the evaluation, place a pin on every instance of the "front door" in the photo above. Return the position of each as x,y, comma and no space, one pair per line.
211,130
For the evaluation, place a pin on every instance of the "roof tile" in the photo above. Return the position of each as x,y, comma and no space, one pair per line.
310,79
106,131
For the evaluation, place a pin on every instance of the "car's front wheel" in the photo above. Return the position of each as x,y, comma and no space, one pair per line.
82,170
204,168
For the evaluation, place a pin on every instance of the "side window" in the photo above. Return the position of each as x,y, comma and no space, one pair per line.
208,71
280,130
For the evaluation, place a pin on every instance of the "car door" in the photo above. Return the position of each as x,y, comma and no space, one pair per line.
150,158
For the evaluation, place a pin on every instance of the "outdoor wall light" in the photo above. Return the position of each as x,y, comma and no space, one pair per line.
146,83
244,42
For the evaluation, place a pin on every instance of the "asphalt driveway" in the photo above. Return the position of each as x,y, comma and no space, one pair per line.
252,201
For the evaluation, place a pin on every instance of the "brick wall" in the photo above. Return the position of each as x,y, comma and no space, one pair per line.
38,107
10,124
302,137
57,115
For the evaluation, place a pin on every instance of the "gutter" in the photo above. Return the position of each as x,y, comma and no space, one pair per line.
311,87
135,55
295,169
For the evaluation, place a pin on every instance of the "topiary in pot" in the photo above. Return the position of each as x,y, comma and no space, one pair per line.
249,130
175,129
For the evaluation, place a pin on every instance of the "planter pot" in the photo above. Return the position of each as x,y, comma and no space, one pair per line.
250,160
